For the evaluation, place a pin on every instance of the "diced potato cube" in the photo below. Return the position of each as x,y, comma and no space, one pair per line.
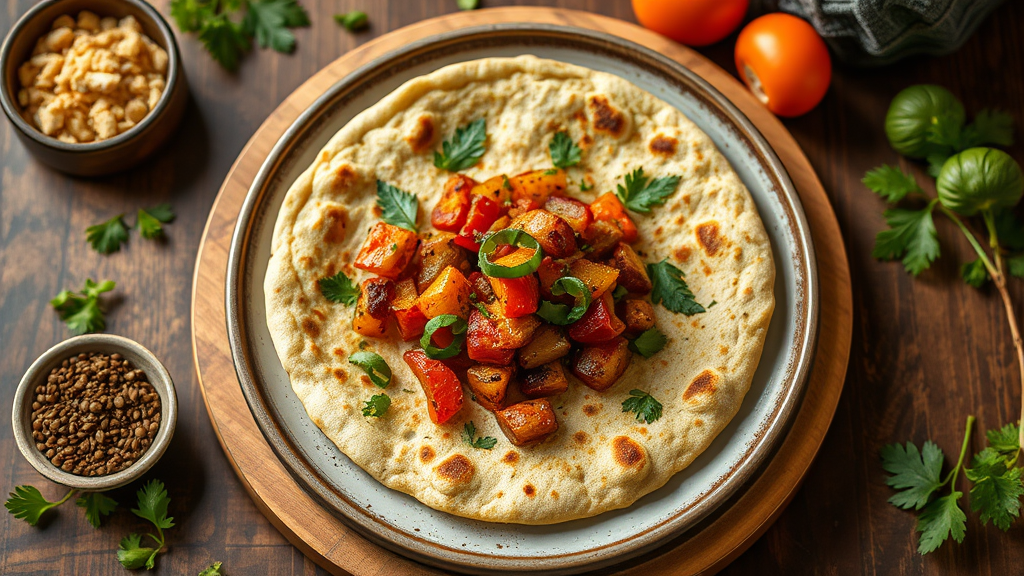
448,294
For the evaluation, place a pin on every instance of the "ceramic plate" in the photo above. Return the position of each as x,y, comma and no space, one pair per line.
401,523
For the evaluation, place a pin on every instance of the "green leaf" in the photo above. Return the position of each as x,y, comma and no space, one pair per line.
1005,440
268,21
640,193
464,149
374,365
28,504
213,570
1016,265
891,183
190,14
81,312
649,343
564,152
377,405
911,237
467,4
936,160
106,238
339,288
96,505
915,473
939,520
671,290
584,186
153,502
224,40
399,208
946,131
974,273
989,127
1009,230
646,408
150,221
997,490
469,437
132,555
353,21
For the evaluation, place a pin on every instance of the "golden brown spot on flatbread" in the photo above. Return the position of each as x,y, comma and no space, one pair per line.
627,452
723,350
698,422
682,254
319,315
529,490
325,156
580,117
707,270
606,118
585,143
658,232
704,383
592,409
426,454
748,290
641,430
344,178
580,437
339,374
340,352
698,154
366,380
499,495
336,218
422,135
311,327
306,262
314,349
457,469
446,435
554,494
511,457
709,239
664,145
377,210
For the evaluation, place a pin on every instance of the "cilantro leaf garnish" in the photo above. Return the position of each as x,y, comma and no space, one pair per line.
375,367
190,14
377,405
584,186
339,288
671,290
997,488
646,408
469,437
224,40
399,208
268,21
974,273
464,149
1005,440
227,34
911,237
107,237
81,311
649,343
989,127
640,193
28,504
483,310
152,506
213,570
132,555
939,520
916,474
891,183
96,505
150,221
564,152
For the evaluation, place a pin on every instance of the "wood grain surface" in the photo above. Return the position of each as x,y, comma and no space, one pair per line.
926,352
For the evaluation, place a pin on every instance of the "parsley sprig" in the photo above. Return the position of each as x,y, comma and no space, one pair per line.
81,311
339,288
469,437
398,207
28,504
96,505
645,406
671,290
151,221
152,506
107,237
640,193
564,152
464,149
213,570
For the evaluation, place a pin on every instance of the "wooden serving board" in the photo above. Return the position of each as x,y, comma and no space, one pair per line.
323,537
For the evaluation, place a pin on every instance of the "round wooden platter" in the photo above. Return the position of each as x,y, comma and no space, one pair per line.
324,538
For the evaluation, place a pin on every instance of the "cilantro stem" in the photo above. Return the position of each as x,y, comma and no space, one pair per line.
963,450
65,498
970,238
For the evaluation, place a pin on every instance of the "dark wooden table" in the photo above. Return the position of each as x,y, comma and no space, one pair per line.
926,352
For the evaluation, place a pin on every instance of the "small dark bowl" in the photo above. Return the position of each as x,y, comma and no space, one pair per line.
121,151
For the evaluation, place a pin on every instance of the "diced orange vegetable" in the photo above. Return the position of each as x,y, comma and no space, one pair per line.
449,294
638,315
553,234
451,210
608,209
408,315
373,308
387,250
489,384
576,213
498,189
516,296
600,365
598,277
500,224
549,271
522,206
437,252
441,386
601,237
539,185
483,339
632,272
527,422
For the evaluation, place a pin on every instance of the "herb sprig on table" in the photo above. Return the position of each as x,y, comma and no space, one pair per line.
81,311
152,506
107,237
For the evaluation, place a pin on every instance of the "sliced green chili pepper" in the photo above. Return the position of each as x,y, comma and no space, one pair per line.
561,314
458,327
374,365
511,237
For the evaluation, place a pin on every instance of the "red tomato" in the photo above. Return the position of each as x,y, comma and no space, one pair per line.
784,62
442,387
691,22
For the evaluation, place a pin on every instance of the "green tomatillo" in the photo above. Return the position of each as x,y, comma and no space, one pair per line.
980,180
917,110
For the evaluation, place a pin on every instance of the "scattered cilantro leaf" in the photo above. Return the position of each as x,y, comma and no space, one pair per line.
469,437
1005,440
911,237
646,408
81,311
939,520
152,506
213,570
151,221
619,293
564,152
374,366
989,127
224,40
997,489
132,555
268,21
467,4
339,288
891,183
190,14
974,273
96,505
353,21
640,193
28,504
464,149
107,237
649,343
377,405
399,208
671,290
915,473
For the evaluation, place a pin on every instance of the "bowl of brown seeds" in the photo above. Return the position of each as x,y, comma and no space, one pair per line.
94,412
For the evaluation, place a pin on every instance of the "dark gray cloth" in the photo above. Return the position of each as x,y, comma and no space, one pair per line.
875,32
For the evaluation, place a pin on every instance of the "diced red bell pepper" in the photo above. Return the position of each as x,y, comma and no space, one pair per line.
608,208
482,341
387,250
576,213
440,384
516,296
453,207
598,324
409,316
482,213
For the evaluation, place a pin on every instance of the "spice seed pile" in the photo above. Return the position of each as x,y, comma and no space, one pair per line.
95,415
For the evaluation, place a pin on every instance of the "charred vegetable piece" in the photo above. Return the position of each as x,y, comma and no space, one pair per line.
483,212
387,250
548,344
449,294
527,422
498,189
632,271
437,252
608,209
453,207
408,315
544,381
538,185
374,307
600,366
599,324
576,213
515,332
638,316
601,238
483,341
548,272
516,296
441,386
597,277
553,234
489,384
481,288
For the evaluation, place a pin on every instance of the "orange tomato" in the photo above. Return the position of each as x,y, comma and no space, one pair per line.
691,22
784,62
